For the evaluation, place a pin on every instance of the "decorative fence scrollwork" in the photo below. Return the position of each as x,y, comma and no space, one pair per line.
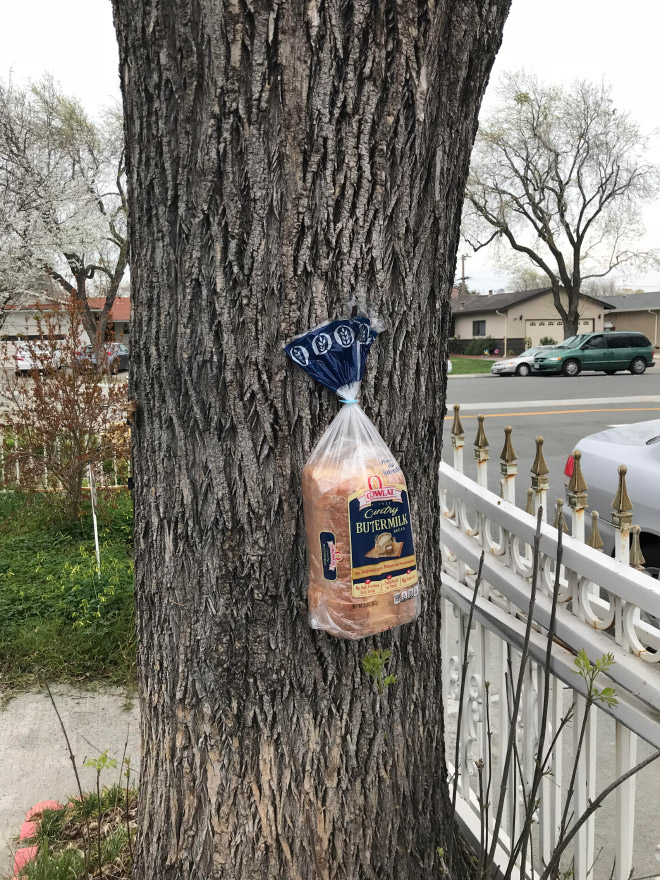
603,606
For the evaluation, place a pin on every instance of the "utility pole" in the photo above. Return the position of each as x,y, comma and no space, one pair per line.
464,257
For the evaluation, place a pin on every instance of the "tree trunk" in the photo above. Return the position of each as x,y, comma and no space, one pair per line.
572,318
569,313
283,158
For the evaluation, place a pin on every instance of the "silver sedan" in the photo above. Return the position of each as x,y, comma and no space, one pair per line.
636,446
517,366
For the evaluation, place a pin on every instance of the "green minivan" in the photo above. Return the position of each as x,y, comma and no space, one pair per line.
603,352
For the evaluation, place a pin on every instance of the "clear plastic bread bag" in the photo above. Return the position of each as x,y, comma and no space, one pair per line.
363,575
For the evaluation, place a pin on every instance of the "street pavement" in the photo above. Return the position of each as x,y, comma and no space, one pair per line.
562,410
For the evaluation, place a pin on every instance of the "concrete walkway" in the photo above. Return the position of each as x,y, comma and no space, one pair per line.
34,761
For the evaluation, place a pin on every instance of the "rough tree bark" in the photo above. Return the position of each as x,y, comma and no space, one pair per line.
283,158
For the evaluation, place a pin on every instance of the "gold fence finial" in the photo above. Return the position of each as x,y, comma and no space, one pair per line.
530,502
622,503
540,468
594,540
457,427
508,454
577,484
482,441
559,515
636,558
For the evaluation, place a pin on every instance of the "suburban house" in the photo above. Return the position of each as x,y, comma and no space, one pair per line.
514,321
635,311
21,320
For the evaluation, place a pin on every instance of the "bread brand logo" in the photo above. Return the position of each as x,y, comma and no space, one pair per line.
300,355
376,492
321,343
363,334
335,556
345,335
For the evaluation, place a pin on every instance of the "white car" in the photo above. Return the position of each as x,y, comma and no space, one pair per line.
37,356
638,447
517,366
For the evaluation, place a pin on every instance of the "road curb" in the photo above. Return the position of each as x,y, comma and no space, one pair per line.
471,376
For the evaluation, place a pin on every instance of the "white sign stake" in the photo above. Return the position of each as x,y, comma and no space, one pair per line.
92,493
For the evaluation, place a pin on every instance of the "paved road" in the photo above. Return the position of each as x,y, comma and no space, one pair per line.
560,409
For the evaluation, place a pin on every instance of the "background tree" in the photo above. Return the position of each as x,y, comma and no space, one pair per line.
560,176
62,200
282,159
525,277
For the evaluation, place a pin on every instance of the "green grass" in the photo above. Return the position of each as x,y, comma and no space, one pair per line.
58,620
462,366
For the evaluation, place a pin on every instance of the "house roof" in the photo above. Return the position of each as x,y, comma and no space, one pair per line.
121,307
503,301
634,302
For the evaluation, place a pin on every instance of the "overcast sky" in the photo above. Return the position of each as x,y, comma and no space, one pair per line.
562,40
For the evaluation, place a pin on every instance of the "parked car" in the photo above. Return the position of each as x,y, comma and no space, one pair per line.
604,352
521,365
37,356
117,354
638,447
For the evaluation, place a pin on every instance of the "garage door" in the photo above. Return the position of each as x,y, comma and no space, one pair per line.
542,329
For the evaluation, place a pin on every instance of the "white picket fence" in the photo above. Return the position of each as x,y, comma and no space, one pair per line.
604,606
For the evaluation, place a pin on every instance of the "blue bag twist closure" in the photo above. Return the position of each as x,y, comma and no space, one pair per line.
335,354
363,576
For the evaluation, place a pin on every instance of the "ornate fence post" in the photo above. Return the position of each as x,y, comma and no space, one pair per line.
636,558
585,783
481,454
458,439
540,471
626,741
577,497
594,540
508,467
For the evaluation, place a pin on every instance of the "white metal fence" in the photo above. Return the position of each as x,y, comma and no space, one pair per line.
602,605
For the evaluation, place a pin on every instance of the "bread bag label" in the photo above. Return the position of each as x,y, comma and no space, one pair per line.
381,541
330,555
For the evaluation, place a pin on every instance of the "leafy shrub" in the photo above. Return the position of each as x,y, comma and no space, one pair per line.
66,418
478,346
548,340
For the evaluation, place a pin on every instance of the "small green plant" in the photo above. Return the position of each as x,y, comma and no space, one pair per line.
589,671
548,340
103,762
375,664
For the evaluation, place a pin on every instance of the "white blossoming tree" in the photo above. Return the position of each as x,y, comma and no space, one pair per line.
62,199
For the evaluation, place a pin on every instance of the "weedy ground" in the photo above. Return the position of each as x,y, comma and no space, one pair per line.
60,620
63,843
